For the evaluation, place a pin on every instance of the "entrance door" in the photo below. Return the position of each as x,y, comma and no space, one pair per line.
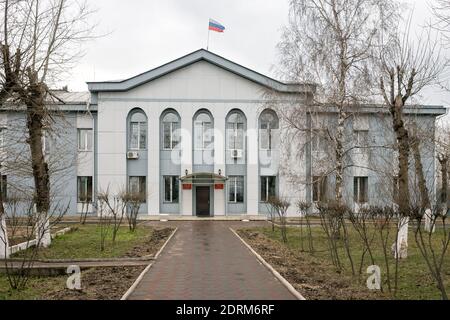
203,202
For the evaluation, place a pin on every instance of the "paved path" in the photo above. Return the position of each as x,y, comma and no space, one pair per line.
206,261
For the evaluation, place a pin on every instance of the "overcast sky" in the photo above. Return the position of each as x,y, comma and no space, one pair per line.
143,34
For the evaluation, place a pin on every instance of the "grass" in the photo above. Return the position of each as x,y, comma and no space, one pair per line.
415,282
84,243
37,286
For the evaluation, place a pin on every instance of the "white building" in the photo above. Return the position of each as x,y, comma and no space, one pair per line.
199,137
192,133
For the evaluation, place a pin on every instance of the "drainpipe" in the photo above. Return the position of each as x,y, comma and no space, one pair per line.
94,186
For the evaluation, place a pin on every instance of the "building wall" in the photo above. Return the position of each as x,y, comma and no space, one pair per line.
66,163
204,86
201,86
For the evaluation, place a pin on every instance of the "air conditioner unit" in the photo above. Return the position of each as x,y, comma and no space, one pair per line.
132,155
237,154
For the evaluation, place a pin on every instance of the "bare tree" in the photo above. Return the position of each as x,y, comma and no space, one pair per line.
86,206
432,250
115,209
441,12
133,201
281,206
39,41
361,223
443,154
105,222
406,68
330,43
34,229
303,209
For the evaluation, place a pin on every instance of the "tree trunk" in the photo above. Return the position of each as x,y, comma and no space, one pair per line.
401,244
403,156
36,112
4,243
444,176
423,189
340,158
35,122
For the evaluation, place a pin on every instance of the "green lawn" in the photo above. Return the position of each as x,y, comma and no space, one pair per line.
84,242
415,281
34,290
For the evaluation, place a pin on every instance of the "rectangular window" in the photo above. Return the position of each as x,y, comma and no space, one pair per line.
4,187
84,139
236,189
265,136
85,189
171,189
361,189
268,188
204,136
361,138
138,135
138,185
46,142
319,188
319,142
395,188
2,137
171,135
235,136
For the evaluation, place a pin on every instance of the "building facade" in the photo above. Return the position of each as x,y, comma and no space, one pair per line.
201,136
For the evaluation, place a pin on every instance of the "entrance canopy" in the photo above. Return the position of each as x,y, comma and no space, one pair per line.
203,178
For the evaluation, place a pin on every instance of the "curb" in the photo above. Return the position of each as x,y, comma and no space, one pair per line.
147,269
277,275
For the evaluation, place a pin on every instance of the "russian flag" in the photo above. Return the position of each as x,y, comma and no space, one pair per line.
216,26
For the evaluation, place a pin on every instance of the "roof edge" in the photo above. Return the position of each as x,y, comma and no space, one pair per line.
191,58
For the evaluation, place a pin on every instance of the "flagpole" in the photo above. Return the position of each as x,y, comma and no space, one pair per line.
207,45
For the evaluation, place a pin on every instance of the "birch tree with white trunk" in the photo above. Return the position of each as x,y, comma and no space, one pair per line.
330,43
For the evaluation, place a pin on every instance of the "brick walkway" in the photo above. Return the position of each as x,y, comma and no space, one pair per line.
206,261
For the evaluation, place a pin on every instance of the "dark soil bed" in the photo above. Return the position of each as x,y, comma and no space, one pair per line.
152,245
310,276
98,284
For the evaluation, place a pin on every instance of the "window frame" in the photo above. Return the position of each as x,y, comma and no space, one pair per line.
174,185
319,186
139,124
234,181
46,142
4,186
84,180
85,148
2,136
172,136
267,191
142,181
357,136
204,132
361,196
269,129
319,141
235,137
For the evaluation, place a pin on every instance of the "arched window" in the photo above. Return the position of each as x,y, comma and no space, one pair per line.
235,131
268,122
171,130
138,131
203,131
